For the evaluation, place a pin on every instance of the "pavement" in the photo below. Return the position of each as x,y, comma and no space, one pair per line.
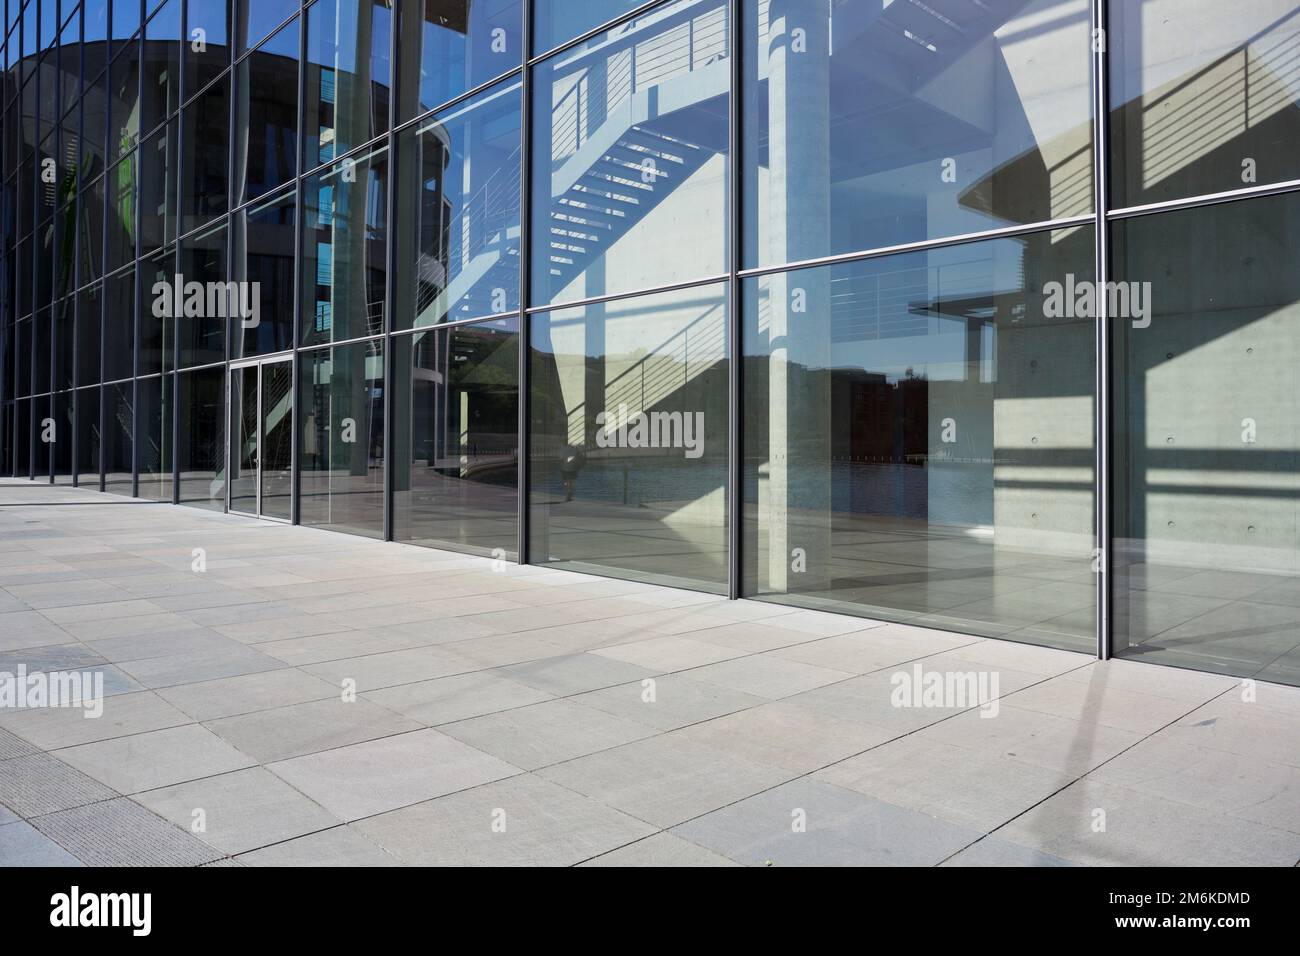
278,695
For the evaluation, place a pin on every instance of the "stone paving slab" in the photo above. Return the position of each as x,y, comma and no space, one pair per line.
332,700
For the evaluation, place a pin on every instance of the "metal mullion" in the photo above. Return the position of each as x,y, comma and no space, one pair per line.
1101,404
735,338
523,428
390,278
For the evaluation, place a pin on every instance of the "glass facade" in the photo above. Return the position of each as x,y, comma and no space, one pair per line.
977,316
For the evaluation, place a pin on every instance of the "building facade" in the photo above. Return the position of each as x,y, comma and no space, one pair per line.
974,315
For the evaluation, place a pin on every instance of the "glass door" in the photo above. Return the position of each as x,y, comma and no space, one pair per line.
261,432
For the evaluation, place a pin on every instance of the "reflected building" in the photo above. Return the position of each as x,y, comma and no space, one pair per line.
753,297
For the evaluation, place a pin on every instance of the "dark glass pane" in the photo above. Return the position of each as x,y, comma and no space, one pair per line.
264,262
457,211
157,317
162,64
1207,439
64,352
119,460
44,431
90,247
207,42
266,115
1204,97
90,308
23,438
630,155
88,443
124,102
119,325
449,46
629,438
341,447
62,439
159,172
154,437
120,183
94,119
348,77
200,442
42,334
126,18
204,260
257,18
205,161
456,438
23,357
901,122
95,13
555,21
345,250
918,439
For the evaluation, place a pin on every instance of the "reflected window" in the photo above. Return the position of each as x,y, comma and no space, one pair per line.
158,315
159,171
629,156
449,46
558,21
899,122
264,242
205,163
348,77
119,416
629,438
341,442
200,440
154,437
257,18
456,438
162,64
266,115
119,326
88,443
90,305
918,439
458,212
63,439
124,101
345,250
207,42
1205,97
203,259
1205,564
120,184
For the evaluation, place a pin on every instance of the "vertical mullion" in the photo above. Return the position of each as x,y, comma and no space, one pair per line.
735,326
390,262
1102,423
525,256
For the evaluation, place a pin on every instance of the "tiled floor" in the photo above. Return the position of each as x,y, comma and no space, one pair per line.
316,698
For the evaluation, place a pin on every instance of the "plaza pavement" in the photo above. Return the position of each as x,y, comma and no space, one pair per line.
289,696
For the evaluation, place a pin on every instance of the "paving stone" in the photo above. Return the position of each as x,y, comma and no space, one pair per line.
546,733
992,851
12,746
231,696
120,832
284,732
156,759
677,701
661,849
839,828
461,696
574,673
380,775
766,676
41,783
374,671
519,821
21,844
342,846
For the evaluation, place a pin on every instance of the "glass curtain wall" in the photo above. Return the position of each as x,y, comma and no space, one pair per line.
795,300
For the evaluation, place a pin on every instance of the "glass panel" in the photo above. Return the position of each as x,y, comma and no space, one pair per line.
266,115
44,434
162,64
264,254
243,432
555,21
204,260
62,438
629,438
64,346
201,439
124,101
118,458
154,439
23,357
1208,440
90,210
90,308
157,325
205,164
276,451
159,162
342,445
42,334
120,183
119,326
345,250
1205,97
348,77
456,437
88,438
126,18
899,122
257,18
207,50
23,439
919,439
449,46
457,212
629,155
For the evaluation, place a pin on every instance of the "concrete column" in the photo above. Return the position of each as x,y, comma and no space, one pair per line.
799,394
